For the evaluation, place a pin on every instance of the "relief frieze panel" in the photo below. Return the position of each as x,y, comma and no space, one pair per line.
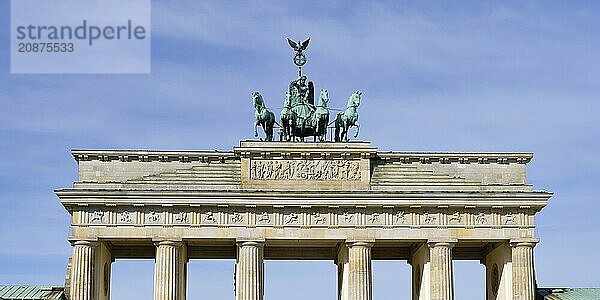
154,217
264,218
304,217
347,218
98,217
347,170
126,217
181,217
401,217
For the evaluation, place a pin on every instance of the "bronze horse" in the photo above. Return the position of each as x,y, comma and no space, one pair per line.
348,118
262,116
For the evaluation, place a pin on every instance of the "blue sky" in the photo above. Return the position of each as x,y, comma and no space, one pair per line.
435,76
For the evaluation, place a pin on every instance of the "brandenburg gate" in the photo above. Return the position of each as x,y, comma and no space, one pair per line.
343,201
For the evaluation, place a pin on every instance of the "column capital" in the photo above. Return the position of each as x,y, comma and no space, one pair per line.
448,243
90,243
360,243
524,243
250,242
168,242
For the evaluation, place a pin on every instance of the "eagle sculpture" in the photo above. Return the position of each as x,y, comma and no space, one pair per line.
298,46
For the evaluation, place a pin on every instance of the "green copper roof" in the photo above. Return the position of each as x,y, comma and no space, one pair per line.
569,293
24,292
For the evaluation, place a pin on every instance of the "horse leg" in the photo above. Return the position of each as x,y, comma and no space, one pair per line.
255,128
346,129
270,125
268,133
357,128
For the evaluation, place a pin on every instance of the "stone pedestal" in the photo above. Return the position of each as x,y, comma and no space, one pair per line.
359,271
249,270
83,285
442,283
522,270
170,271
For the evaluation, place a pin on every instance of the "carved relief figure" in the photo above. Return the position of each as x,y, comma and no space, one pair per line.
153,217
429,218
97,217
319,218
264,218
125,217
237,218
291,218
181,217
348,217
455,218
210,217
480,219
400,217
374,218
510,219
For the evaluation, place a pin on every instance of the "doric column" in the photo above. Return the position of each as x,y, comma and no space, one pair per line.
170,271
359,273
83,285
522,270
249,271
442,283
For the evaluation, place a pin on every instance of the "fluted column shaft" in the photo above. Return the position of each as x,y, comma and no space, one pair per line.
83,270
249,283
359,273
523,271
442,281
167,271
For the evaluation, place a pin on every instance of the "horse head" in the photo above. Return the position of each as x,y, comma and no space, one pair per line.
354,100
323,98
257,100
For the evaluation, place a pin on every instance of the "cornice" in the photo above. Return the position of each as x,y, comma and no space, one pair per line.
457,157
151,155
529,200
306,152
